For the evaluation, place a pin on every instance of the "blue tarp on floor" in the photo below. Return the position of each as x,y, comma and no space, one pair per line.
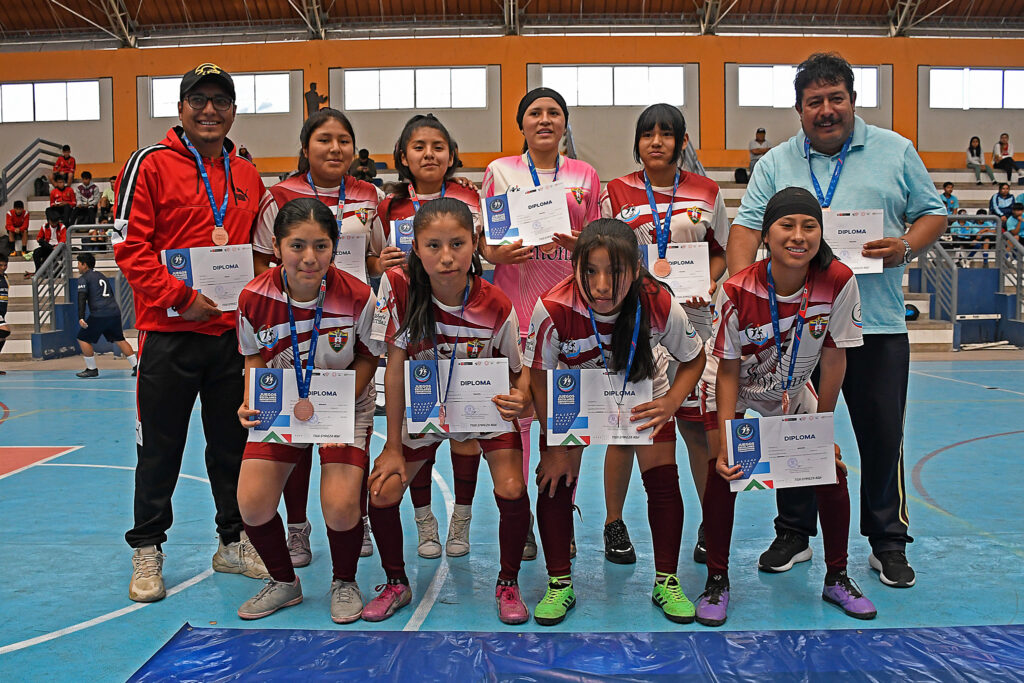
980,653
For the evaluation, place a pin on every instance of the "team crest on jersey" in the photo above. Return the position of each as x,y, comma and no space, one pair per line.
818,325
691,331
266,336
755,333
362,215
577,192
337,339
570,349
695,214
714,316
474,347
628,213
856,316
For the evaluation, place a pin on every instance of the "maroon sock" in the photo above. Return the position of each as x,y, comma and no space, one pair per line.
554,521
296,489
364,492
665,514
719,508
387,531
834,513
272,545
513,526
464,469
345,547
419,489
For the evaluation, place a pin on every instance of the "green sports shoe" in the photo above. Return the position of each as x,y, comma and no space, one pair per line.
558,600
669,597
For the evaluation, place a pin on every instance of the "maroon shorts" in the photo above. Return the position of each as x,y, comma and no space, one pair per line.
505,441
666,433
340,455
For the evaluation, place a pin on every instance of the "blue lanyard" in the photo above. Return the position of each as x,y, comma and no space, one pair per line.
341,196
415,199
533,169
218,215
303,383
632,348
662,235
455,348
826,200
794,345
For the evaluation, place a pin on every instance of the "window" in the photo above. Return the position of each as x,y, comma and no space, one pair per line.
50,101
976,88
618,86
265,93
428,88
771,85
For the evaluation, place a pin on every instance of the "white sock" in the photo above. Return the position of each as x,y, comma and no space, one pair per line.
90,362
133,359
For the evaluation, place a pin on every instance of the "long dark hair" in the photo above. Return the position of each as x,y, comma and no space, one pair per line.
419,316
972,149
823,259
620,242
309,127
302,210
663,116
411,126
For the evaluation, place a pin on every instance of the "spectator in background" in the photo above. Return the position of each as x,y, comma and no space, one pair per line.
1002,156
363,167
65,164
17,225
758,147
976,161
1013,223
949,199
313,100
244,153
1000,203
87,199
62,198
106,203
53,232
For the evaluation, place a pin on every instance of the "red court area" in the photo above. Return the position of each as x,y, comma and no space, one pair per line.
16,458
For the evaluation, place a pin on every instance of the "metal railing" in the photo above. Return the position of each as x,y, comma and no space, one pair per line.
1010,255
940,271
49,284
23,166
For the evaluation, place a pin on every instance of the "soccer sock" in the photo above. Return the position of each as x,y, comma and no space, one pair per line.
345,547
90,362
387,531
554,521
296,489
464,469
718,510
834,513
419,489
665,514
513,525
270,542
133,359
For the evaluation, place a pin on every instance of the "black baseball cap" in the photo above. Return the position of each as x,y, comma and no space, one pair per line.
760,130
206,72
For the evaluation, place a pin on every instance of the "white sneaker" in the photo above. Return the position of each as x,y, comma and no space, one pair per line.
240,557
457,544
367,548
346,602
272,597
426,528
147,575
298,544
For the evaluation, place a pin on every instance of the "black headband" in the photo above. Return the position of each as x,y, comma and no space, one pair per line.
787,202
536,94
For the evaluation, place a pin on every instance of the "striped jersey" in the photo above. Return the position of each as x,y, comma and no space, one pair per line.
488,328
561,334
524,283
394,209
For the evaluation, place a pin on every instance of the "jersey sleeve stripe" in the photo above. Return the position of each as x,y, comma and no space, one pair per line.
131,173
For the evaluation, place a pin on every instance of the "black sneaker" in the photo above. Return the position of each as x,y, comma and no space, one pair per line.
787,549
88,372
893,568
700,551
617,546
135,371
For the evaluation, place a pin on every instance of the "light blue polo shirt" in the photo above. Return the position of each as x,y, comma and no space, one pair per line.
882,171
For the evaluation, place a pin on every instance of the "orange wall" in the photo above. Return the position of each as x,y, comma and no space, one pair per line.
513,54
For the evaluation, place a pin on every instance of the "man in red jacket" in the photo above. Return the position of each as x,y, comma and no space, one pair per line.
191,190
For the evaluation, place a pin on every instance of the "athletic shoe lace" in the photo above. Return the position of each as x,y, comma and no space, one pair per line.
460,527
388,591
672,587
714,592
508,594
269,586
296,541
147,566
617,535
427,528
553,595
849,585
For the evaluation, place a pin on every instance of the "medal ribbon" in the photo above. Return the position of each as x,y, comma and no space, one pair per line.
663,235
341,197
826,200
303,383
455,348
533,169
218,214
415,199
632,350
798,327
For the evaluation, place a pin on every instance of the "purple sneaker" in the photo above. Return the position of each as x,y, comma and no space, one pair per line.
714,601
393,597
846,594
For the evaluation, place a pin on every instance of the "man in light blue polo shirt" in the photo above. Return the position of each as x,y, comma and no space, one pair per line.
854,166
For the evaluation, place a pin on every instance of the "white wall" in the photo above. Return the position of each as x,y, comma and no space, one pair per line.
950,130
781,124
264,135
604,135
475,130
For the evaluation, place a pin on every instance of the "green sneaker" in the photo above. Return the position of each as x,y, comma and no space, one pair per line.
669,597
558,600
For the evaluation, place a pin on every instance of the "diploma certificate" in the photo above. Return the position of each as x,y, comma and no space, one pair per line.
847,232
273,392
533,216
468,405
350,255
219,273
401,234
582,408
691,268
782,452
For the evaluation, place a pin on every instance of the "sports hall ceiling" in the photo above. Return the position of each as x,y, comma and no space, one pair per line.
42,24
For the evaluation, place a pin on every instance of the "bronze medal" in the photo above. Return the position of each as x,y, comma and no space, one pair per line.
662,268
303,410
220,236
785,403
442,414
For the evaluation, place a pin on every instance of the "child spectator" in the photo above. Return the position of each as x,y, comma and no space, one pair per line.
106,204
363,167
62,198
104,318
976,161
1002,156
87,199
65,164
949,199
1000,203
244,153
53,231
17,226
1013,223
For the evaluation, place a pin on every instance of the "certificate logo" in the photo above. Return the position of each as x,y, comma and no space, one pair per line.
856,316
577,192
266,336
570,349
422,374
755,334
818,325
337,339
695,214
362,215
178,261
474,347
268,382
497,205
469,410
628,213
793,462
566,383
744,432
405,228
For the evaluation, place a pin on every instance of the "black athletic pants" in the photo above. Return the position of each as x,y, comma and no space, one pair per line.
175,367
875,390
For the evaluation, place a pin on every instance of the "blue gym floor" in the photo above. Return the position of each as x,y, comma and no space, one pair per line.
64,566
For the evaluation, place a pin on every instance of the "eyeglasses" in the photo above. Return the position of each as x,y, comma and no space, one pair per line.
198,100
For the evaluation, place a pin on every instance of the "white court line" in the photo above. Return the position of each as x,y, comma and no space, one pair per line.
77,388
960,381
81,626
38,462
